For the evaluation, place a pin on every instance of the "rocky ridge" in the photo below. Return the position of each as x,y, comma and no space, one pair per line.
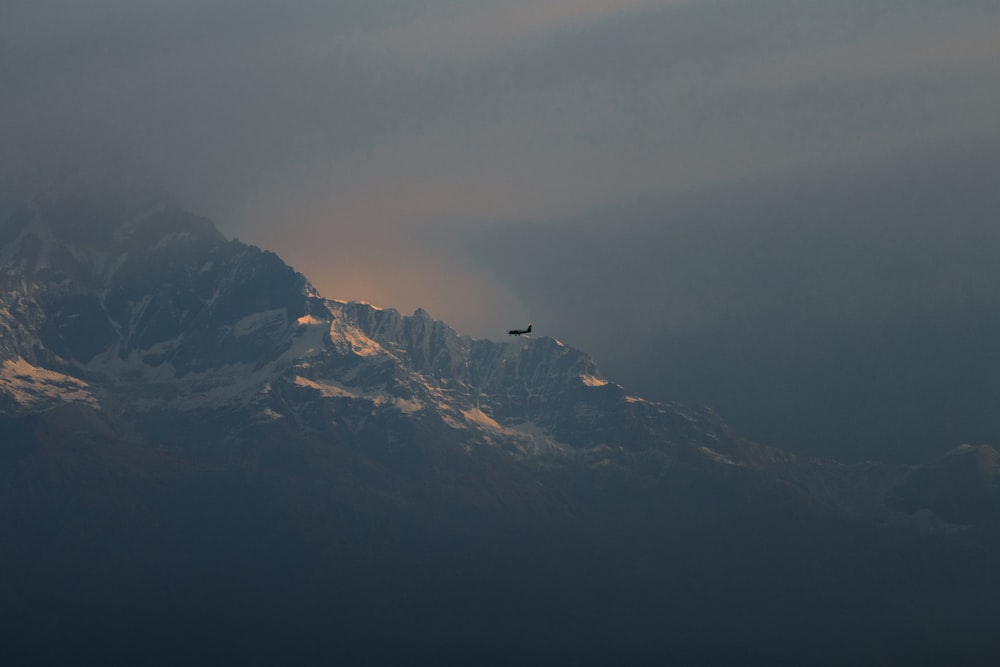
148,315
204,461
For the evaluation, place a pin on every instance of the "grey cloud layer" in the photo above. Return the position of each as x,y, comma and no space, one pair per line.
365,140
227,96
849,311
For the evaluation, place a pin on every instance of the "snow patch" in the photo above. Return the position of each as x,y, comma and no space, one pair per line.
307,342
716,456
326,390
539,441
592,381
480,418
263,320
408,406
269,415
451,421
349,338
35,388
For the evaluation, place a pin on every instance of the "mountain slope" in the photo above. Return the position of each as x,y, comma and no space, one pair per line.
180,338
201,452
154,314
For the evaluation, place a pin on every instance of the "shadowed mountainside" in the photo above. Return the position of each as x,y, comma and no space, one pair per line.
204,460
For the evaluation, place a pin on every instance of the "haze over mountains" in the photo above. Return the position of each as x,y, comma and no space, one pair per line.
748,235
204,459
849,310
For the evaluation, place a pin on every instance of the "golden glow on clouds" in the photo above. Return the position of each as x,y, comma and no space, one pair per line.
388,239
369,140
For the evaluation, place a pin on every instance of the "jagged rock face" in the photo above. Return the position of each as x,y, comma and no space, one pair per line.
185,339
531,385
186,424
155,314
113,277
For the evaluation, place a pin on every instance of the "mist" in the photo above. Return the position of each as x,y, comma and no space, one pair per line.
849,311
783,210
370,143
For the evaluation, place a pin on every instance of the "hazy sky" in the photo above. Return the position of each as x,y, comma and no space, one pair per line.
369,141
359,139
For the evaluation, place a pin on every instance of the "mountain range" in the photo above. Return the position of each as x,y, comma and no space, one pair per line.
204,459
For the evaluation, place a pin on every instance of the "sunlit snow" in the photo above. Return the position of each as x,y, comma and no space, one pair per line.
477,416
360,303
592,381
408,405
325,390
349,338
33,387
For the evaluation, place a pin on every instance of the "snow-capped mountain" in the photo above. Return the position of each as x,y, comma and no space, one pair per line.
190,432
147,314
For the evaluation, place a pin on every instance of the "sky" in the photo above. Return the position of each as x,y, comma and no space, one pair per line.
853,313
375,144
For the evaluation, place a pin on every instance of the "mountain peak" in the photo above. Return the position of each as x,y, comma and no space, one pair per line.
193,412
78,234
152,310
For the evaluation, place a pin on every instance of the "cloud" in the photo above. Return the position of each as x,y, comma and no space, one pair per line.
850,311
408,124
463,31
